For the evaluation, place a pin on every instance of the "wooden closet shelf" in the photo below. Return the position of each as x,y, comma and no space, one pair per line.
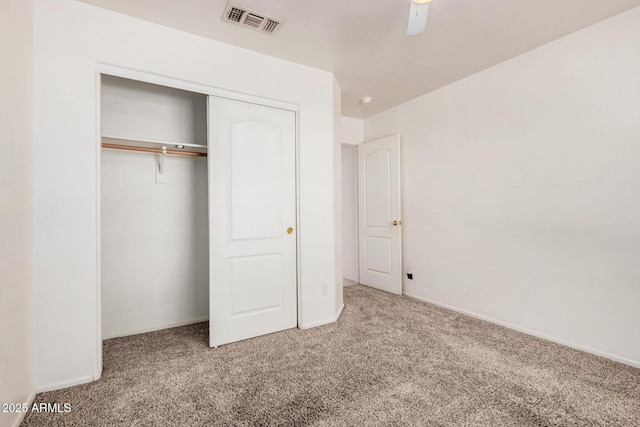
151,146
150,142
153,150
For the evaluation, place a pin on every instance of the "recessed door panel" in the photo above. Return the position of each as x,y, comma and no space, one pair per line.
256,180
256,284
252,203
377,189
378,255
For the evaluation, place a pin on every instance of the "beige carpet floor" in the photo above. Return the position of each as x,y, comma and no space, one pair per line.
389,360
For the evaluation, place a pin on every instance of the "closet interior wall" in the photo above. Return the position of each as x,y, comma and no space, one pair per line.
154,228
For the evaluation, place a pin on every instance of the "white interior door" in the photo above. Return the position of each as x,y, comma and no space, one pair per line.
252,220
380,254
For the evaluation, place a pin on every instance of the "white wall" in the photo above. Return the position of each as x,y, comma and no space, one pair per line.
139,110
521,190
350,212
70,38
155,246
16,204
351,130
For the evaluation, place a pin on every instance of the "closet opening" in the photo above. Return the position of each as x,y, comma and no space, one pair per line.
154,201
197,211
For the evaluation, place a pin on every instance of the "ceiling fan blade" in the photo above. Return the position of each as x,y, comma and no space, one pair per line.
417,18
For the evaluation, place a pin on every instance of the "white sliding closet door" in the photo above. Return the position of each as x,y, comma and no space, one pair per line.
252,220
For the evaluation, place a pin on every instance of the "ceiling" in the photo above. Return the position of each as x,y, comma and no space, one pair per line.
364,43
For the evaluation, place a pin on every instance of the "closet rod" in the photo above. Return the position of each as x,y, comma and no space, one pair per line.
152,150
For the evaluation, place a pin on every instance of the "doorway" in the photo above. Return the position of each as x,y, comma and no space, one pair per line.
154,209
350,214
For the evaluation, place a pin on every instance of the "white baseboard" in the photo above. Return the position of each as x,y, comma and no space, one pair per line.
323,322
157,328
64,384
20,415
634,363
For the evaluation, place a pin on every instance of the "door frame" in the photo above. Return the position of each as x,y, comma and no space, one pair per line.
176,83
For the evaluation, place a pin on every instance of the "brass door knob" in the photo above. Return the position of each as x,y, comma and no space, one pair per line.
395,223
289,230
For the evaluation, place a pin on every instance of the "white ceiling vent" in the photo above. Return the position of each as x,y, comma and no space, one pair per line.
246,17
